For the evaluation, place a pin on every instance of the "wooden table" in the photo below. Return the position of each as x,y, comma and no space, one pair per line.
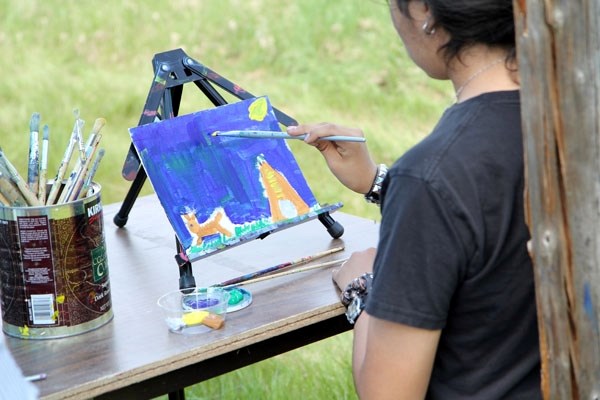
135,356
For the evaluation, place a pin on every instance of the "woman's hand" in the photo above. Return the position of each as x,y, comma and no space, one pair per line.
358,263
350,162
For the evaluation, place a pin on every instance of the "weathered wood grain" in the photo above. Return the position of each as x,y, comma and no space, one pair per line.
559,59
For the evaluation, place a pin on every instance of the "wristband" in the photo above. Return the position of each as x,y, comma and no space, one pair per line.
374,195
355,294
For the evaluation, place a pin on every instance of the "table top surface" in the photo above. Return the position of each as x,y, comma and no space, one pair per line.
136,344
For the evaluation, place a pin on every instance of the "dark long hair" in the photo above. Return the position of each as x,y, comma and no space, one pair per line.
470,22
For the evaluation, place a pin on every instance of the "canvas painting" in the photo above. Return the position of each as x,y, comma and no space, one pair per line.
220,191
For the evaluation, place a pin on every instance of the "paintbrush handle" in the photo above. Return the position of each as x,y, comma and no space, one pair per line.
33,168
250,134
278,267
10,192
29,196
3,200
74,181
75,188
79,182
64,164
43,165
89,178
62,169
291,271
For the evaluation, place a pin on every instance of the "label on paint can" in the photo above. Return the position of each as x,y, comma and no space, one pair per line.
53,269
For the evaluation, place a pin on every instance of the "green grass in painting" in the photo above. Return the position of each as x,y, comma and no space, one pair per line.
333,61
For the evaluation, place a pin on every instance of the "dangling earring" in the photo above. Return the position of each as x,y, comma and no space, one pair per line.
426,28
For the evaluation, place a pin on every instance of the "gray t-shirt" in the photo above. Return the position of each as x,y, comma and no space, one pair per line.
452,253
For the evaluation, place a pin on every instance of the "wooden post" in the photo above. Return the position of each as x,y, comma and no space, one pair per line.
558,45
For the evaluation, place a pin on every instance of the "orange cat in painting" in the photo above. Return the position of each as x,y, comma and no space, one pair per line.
211,226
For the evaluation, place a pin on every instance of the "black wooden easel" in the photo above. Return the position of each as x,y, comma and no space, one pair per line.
173,69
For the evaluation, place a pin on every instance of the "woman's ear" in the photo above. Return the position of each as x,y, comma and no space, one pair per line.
421,11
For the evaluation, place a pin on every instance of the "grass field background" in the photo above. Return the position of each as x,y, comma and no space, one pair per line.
334,61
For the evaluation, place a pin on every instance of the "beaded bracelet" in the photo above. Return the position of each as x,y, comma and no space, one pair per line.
358,287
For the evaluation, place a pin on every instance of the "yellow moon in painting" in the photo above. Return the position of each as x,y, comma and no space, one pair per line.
257,111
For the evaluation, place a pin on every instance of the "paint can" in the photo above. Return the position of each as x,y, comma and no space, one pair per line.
53,269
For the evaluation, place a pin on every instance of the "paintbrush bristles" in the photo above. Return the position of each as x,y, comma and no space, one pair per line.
98,125
34,122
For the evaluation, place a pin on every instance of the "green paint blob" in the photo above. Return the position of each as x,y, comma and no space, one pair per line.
235,296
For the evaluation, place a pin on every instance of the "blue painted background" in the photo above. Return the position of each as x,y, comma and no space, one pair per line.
191,170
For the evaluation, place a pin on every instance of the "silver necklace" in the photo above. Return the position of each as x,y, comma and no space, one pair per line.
475,75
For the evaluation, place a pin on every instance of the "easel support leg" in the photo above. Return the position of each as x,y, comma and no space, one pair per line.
121,217
186,275
334,228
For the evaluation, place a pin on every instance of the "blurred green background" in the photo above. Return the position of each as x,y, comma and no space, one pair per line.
318,61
